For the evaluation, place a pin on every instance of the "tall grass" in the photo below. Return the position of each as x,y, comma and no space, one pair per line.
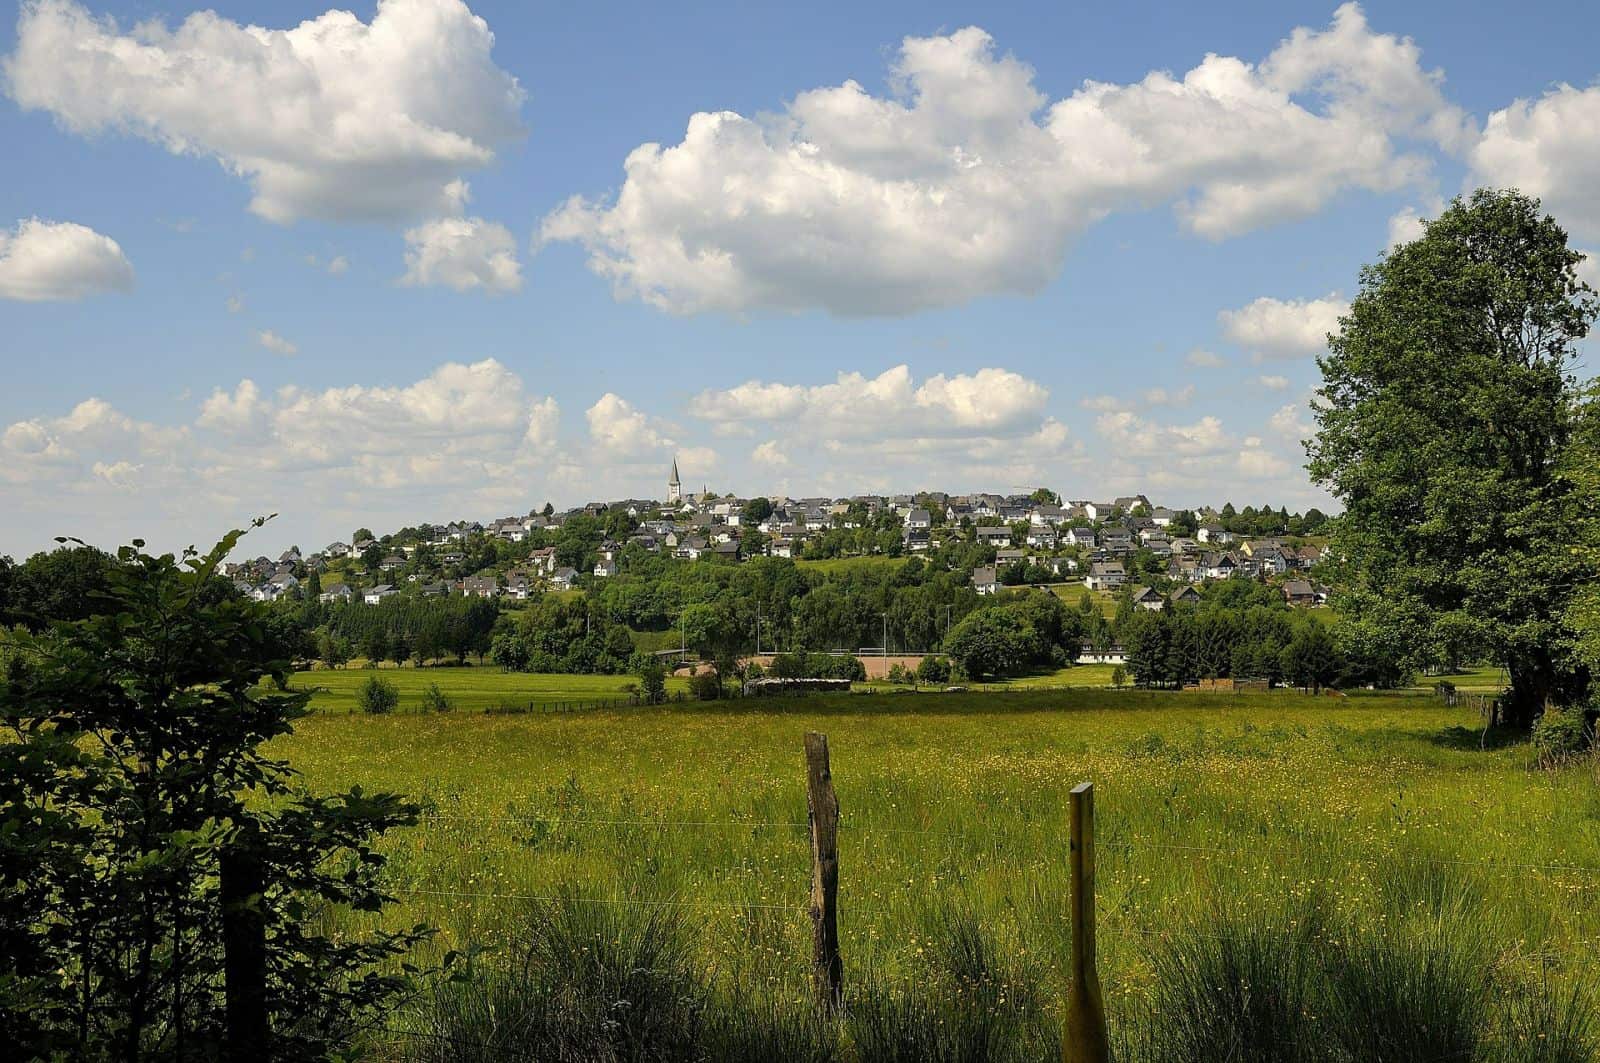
618,982
1248,987
1370,814
1236,988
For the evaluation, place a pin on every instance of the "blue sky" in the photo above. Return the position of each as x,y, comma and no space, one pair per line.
239,273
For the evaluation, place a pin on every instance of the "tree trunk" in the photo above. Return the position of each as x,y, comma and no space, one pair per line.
1532,682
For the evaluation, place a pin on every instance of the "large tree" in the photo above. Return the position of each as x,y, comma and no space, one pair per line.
1446,426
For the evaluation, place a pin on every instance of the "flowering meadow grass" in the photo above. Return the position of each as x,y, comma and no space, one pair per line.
1390,818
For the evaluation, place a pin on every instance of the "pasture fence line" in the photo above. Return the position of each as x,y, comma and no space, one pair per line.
512,708
1484,704
1086,1037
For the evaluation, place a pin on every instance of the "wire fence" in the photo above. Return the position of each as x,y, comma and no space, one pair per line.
554,819
782,846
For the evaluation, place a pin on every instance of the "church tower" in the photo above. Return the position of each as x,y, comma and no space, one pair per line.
674,485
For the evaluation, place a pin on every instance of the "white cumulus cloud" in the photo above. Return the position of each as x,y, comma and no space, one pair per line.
1256,462
1550,148
94,432
42,260
771,454
276,343
1283,328
988,401
1291,421
1133,435
238,412
1160,396
466,439
335,118
463,253
1589,269
966,180
1273,382
622,431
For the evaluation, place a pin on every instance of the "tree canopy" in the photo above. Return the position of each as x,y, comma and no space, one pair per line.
1446,426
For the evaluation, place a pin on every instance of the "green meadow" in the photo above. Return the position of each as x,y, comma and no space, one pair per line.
1321,822
470,689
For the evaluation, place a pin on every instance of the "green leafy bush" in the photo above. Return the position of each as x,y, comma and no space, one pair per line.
377,696
136,797
1559,735
707,685
434,700
652,680
934,669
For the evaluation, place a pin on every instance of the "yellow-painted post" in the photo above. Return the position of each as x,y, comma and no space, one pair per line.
1086,1040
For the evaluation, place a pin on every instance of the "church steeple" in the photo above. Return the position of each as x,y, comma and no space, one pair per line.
674,485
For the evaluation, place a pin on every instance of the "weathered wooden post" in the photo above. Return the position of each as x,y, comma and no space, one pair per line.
1086,1041
244,953
827,967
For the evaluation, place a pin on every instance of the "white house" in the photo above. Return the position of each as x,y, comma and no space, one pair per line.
1106,575
1087,654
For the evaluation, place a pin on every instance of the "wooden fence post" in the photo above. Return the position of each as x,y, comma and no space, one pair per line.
1087,1041
244,953
827,967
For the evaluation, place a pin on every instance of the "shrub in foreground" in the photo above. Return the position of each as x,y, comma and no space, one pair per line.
1559,735
133,783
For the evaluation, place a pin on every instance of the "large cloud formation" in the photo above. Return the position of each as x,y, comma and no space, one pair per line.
41,260
967,181
1549,147
882,432
988,401
464,440
335,118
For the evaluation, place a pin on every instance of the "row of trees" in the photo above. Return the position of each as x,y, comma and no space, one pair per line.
555,635
1173,648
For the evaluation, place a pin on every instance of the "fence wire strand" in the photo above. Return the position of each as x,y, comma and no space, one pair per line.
619,901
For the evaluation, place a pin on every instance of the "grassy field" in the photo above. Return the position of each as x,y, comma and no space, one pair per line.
1079,675
1480,679
839,565
1379,815
470,689
1072,591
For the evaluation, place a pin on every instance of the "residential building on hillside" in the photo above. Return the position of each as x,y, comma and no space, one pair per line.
1106,576
983,580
